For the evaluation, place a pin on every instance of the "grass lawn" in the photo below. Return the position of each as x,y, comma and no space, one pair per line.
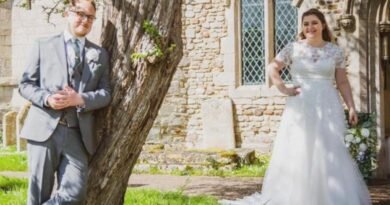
10,160
256,170
13,192
155,197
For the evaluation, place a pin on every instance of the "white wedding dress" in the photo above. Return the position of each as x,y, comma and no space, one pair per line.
310,164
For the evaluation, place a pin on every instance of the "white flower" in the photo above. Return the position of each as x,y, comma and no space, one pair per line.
357,140
92,55
362,147
349,138
365,132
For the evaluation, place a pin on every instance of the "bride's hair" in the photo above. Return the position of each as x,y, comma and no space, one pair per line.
326,33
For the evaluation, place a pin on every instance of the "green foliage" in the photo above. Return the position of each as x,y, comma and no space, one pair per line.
361,141
154,34
10,160
254,170
13,191
155,170
171,48
26,4
228,154
151,30
214,163
8,150
249,171
262,160
147,197
55,7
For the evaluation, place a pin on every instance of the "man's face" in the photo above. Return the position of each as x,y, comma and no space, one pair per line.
80,18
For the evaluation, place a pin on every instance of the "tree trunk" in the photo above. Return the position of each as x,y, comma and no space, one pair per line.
138,86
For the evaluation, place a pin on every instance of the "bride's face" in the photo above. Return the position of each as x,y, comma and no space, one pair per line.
312,27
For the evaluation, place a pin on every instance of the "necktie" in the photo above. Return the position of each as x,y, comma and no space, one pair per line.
75,69
76,47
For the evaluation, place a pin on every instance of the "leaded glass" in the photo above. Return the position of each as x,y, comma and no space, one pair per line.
252,42
286,25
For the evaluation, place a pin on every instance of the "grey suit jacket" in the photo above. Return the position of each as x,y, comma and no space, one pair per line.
46,73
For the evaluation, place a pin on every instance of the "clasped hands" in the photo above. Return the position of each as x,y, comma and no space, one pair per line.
67,97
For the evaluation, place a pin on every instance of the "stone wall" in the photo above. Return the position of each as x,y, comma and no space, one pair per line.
6,82
205,34
180,116
5,40
207,71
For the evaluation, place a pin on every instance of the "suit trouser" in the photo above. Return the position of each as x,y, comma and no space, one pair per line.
64,154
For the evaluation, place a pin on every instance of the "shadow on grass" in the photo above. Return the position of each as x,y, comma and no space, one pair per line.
136,185
8,184
233,190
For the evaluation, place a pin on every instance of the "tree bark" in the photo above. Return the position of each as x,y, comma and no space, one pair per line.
138,86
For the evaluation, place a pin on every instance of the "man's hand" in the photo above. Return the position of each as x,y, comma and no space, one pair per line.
73,97
57,101
67,97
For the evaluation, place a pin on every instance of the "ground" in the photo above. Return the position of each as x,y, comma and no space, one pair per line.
233,187
223,187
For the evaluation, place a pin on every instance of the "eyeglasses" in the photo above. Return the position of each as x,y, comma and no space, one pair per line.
83,16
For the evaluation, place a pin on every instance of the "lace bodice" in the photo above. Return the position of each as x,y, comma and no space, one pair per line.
307,61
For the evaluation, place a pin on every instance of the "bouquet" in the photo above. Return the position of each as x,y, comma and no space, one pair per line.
361,141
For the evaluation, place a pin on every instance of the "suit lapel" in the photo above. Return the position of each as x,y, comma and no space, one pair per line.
86,74
61,54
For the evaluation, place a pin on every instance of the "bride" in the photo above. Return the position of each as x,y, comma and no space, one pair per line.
310,164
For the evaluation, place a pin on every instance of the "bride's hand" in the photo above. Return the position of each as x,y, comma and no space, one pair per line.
293,91
352,117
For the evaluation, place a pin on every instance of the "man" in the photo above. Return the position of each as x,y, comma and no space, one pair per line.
66,79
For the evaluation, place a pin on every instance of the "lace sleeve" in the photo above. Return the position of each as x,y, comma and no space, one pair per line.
340,58
285,54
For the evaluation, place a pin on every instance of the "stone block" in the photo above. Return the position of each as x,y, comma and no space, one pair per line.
246,156
217,119
190,33
22,114
5,93
9,128
201,1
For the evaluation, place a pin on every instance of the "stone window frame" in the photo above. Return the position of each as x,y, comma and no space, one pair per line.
231,50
